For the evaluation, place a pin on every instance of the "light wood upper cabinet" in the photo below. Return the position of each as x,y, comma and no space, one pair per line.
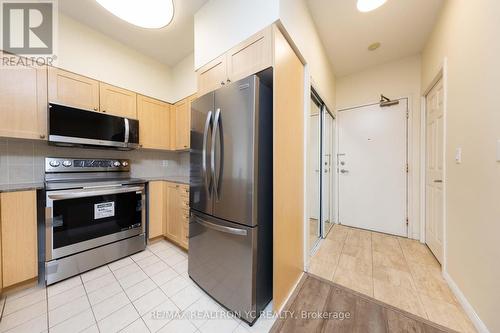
19,237
246,58
117,101
174,226
212,75
251,56
157,208
23,101
182,124
73,90
154,123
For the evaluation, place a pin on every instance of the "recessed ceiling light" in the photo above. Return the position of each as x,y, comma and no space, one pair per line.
151,14
369,5
374,46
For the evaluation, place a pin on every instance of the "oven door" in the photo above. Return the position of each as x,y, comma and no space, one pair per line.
82,219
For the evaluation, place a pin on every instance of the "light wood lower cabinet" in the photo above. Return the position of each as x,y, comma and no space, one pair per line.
73,90
177,221
19,237
117,101
154,123
157,208
23,100
169,212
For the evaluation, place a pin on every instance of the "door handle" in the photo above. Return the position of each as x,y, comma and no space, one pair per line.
344,171
214,141
208,121
227,230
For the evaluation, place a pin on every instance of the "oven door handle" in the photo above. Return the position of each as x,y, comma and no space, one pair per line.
91,193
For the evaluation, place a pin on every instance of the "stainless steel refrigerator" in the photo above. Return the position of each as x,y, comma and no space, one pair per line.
230,229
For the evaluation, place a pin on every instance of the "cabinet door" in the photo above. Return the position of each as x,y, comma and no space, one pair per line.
174,226
182,124
184,211
23,100
19,237
154,123
117,101
212,75
157,208
73,90
251,56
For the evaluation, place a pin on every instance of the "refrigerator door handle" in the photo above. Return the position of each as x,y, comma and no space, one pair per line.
214,141
208,122
228,230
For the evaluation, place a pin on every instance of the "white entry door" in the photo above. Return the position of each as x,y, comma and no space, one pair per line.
372,168
434,200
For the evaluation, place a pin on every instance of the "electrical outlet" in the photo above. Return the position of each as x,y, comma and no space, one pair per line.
458,155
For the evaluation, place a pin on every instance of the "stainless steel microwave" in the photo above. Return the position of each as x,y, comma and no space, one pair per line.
69,126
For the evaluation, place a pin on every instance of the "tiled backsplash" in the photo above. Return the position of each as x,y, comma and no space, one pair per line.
22,161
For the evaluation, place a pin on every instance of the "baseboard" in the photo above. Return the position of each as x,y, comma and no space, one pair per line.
292,293
469,310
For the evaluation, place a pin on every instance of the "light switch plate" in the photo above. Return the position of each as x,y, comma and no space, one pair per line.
498,150
458,155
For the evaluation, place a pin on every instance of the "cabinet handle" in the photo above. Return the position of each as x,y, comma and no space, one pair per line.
95,109
42,136
222,83
228,81
104,111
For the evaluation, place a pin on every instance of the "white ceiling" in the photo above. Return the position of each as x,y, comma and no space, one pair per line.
401,26
168,45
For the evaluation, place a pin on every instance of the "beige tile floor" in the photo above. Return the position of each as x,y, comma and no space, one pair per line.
134,294
394,270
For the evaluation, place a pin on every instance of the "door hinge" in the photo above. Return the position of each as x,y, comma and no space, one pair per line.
407,168
407,114
407,222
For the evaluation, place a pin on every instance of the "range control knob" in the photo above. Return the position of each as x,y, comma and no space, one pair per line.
54,163
125,163
67,163
116,164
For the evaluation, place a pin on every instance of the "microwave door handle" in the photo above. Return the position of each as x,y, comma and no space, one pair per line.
127,130
208,122
91,193
214,141
227,230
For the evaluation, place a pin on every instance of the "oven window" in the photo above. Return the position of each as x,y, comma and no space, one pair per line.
82,219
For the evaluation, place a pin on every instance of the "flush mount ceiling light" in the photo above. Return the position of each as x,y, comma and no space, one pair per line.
151,14
369,5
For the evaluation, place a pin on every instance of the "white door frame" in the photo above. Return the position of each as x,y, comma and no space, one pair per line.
409,161
442,74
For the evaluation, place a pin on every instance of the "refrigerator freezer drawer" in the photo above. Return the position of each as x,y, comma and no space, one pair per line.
222,261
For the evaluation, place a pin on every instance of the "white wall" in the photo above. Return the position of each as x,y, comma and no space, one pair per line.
221,24
184,78
297,20
85,51
395,79
467,35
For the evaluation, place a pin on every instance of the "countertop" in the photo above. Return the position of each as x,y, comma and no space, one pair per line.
174,179
21,187
40,185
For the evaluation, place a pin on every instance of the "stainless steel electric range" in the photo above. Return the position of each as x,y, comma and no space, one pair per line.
95,213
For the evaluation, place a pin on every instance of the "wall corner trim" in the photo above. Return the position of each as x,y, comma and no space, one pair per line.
469,310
